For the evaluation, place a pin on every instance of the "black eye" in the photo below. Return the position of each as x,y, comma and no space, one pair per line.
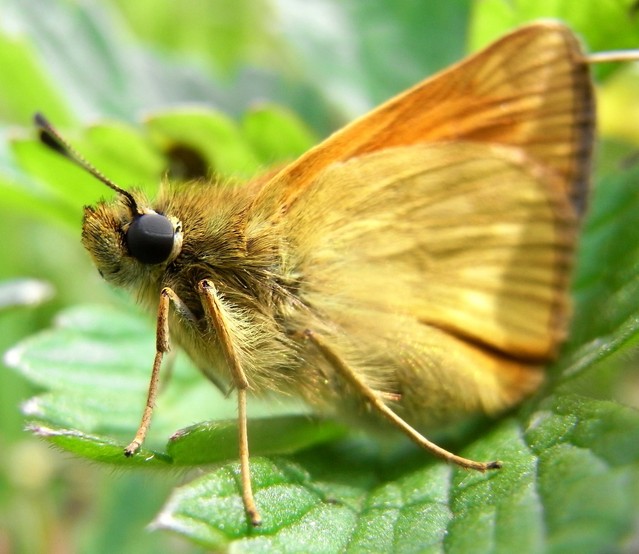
150,238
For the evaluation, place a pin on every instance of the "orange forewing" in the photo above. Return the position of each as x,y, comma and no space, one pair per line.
529,89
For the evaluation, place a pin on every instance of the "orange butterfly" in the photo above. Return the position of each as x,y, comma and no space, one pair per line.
414,266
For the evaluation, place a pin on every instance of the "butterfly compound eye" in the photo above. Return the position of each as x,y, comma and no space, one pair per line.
150,238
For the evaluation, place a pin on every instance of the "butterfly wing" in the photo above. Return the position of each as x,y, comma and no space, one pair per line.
531,89
449,261
433,238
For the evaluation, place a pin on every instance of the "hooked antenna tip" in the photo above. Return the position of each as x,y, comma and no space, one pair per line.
50,138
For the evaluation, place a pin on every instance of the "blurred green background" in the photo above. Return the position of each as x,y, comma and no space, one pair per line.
83,62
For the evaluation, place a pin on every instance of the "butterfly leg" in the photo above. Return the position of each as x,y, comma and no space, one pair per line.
376,400
216,317
161,347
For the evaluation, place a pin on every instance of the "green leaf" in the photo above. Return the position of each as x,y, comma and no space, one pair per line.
100,388
241,34
209,510
276,134
616,29
359,54
99,449
212,134
217,440
30,85
557,464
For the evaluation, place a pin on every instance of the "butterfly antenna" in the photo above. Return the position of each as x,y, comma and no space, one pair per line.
613,56
51,138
